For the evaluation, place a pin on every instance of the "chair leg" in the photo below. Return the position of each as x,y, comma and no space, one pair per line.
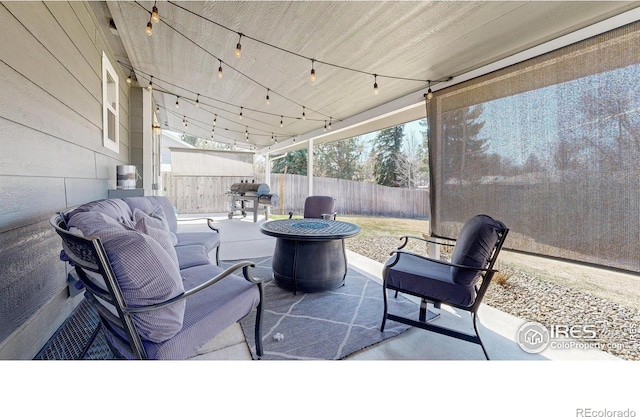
423,311
258,329
475,327
384,313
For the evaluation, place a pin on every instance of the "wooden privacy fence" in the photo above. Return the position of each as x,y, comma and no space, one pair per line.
204,194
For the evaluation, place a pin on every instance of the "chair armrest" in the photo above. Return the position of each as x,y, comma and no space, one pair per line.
209,220
244,265
428,240
439,261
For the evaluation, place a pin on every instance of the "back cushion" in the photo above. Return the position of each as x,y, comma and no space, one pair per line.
156,207
474,246
156,229
113,208
145,273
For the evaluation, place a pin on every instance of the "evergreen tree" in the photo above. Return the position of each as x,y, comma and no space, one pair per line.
339,159
388,157
295,163
464,150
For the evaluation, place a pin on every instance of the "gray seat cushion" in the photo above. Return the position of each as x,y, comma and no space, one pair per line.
206,314
409,275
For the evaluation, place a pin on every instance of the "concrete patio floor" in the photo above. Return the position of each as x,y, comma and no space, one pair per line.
241,239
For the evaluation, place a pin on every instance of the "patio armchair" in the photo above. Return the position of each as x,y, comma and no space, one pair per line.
151,307
318,207
460,283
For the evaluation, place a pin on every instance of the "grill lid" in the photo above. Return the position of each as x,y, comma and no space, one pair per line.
249,188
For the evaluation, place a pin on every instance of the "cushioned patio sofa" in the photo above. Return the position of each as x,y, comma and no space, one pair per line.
159,292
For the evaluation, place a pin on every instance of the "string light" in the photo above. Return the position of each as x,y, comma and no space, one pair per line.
375,84
239,47
149,29
151,86
240,115
281,122
312,75
325,125
268,101
220,69
198,101
330,121
304,116
154,13
215,119
129,77
177,104
429,92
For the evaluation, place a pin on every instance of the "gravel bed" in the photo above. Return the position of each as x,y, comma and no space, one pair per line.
530,298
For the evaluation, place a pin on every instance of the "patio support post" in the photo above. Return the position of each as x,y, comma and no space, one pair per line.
147,142
310,165
267,176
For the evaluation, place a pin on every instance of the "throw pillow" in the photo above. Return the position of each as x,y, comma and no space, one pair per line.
145,273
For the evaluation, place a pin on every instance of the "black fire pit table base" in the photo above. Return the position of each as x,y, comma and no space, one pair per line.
310,254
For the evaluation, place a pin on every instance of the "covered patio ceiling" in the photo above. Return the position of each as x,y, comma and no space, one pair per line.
406,43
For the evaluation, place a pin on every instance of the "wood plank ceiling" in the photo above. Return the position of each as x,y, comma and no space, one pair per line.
405,42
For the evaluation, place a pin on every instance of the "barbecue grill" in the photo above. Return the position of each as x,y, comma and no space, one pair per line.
257,194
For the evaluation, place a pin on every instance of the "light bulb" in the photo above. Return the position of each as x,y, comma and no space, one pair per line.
375,85
325,125
154,14
220,70
215,119
304,116
150,86
177,104
198,101
239,47
281,122
148,29
129,78
268,101
312,75
240,115
330,121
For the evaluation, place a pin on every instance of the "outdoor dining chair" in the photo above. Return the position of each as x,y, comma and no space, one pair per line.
318,207
460,283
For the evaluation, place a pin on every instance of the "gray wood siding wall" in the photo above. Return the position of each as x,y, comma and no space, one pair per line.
206,194
51,156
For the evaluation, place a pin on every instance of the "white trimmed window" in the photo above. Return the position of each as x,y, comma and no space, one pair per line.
110,103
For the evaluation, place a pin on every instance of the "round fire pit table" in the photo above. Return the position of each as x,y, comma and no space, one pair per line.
309,255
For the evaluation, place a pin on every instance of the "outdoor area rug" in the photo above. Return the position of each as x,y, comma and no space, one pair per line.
326,325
